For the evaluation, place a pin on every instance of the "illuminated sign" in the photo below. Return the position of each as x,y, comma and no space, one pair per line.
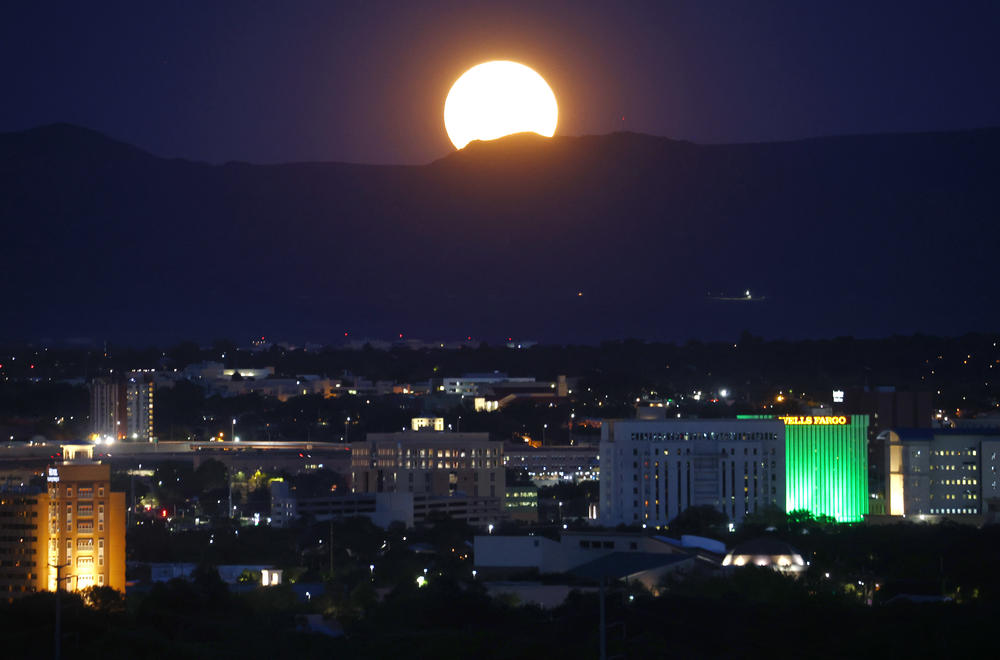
53,475
838,396
817,420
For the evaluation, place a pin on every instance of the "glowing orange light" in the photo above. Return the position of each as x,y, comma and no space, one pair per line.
499,98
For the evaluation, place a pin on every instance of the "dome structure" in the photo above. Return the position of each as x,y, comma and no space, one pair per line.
766,551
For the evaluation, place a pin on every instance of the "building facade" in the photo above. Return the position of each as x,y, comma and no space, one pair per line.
426,462
651,471
954,473
108,410
139,408
23,539
73,533
548,465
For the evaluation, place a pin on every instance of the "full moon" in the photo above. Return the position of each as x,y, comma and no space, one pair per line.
499,98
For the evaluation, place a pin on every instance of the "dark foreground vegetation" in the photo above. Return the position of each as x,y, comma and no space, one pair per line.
854,601
754,614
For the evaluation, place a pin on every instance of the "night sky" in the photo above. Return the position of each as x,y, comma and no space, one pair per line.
366,82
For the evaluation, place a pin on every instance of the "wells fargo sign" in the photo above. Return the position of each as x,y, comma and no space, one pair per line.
817,420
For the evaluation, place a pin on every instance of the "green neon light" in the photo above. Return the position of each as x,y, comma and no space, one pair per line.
826,469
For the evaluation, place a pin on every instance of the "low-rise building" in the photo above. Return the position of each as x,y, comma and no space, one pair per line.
521,503
428,463
548,465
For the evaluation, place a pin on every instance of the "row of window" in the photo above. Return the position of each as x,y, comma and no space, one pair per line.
83,492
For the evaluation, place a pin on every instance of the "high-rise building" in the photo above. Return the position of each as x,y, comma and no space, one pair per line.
73,533
108,412
826,465
139,408
652,470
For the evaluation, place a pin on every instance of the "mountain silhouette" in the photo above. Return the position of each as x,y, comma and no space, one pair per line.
569,239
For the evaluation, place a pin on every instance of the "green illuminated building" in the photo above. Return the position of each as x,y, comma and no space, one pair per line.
826,465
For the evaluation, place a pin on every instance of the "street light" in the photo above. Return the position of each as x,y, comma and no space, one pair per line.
232,434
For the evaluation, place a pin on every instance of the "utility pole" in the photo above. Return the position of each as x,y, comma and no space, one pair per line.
58,633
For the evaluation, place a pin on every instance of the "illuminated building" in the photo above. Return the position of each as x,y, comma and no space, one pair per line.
826,460
826,464
428,423
766,552
953,473
139,408
86,523
521,503
77,525
552,464
422,462
651,471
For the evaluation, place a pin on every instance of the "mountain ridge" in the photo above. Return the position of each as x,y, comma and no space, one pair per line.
104,239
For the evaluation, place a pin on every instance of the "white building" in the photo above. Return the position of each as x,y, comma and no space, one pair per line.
942,472
427,423
651,471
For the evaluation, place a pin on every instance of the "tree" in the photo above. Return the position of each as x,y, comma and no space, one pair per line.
701,520
104,599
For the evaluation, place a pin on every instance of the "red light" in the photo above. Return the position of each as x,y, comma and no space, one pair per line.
401,335
32,366
469,338
300,454
163,513
345,334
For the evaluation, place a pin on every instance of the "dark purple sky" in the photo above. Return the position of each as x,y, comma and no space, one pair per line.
366,81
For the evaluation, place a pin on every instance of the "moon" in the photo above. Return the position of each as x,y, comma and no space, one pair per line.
499,98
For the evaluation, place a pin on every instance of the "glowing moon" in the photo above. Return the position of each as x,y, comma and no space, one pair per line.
499,98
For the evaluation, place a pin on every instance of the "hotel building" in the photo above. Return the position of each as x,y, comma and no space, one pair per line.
77,525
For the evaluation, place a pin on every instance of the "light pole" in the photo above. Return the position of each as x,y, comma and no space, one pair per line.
232,433
58,634
346,424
